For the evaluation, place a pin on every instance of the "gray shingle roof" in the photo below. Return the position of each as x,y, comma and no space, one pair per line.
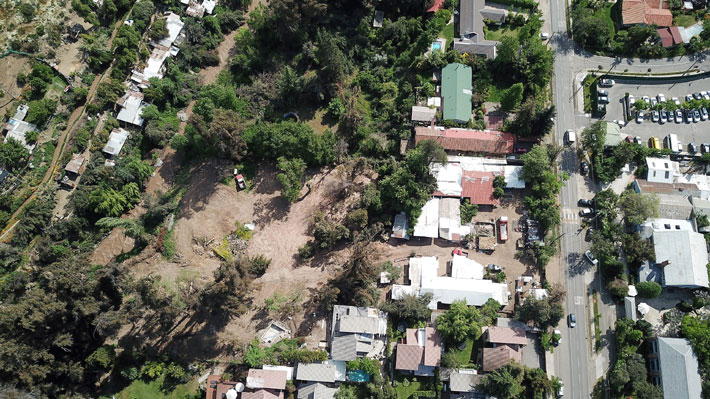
464,382
358,324
316,390
316,372
679,369
688,256
344,348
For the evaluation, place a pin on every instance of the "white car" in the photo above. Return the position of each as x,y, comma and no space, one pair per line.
544,35
705,95
618,122
688,97
631,100
678,116
646,99
607,82
639,117
590,257
653,102
654,116
675,100
558,335
661,98
561,390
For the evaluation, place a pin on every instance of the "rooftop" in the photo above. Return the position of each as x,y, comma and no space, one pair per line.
421,347
680,377
648,12
464,381
131,108
423,114
316,390
316,372
476,141
115,143
77,160
269,379
505,335
495,358
456,92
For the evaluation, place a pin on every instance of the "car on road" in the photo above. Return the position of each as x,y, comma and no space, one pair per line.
688,116
654,143
606,82
675,100
584,168
618,122
572,320
654,116
556,337
586,212
603,92
585,202
661,98
697,96
560,390
692,148
678,116
603,100
590,257
639,117
703,113
696,116
705,95
544,35
664,116
638,140
494,267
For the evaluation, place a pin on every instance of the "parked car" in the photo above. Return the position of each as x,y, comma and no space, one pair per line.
618,122
588,234
646,99
603,100
494,267
692,148
606,82
638,140
697,96
584,168
675,100
544,35
664,116
603,92
639,117
705,95
557,337
572,320
688,97
678,116
705,148
586,212
661,98
654,102
560,390
631,100
585,202
590,257
688,116
654,116
654,143
696,116
703,113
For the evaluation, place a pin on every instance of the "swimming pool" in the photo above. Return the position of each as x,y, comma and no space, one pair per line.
436,46
358,376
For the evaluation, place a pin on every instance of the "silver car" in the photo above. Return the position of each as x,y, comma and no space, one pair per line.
654,116
678,116
696,116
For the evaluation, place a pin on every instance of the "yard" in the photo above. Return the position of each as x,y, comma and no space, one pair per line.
685,20
154,390
467,356
407,385
448,34
497,33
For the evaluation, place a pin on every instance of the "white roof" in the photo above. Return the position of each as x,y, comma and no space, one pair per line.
428,222
155,63
643,308
680,377
539,293
512,173
174,25
433,102
662,170
116,141
652,225
21,112
422,114
132,109
400,291
400,226
632,291
448,178
688,256
702,181
463,267
630,307
450,220
209,6
16,129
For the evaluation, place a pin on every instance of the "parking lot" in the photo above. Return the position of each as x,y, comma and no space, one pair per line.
672,87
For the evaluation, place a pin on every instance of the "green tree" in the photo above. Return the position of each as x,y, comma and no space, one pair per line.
40,111
594,136
618,288
540,311
649,289
13,154
511,97
459,323
291,177
159,29
504,383
411,307
106,201
468,211
638,207
28,11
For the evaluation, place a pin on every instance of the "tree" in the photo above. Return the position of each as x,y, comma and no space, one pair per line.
638,207
40,111
142,12
28,11
511,97
504,383
105,201
698,332
411,308
540,311
159,29
13,154
468,211
459,323
594,137
618,288
291,177
649,289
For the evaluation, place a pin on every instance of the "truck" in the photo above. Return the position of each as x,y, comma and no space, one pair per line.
241,184
503,228
672,142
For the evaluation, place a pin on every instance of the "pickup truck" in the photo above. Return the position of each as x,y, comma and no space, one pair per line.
503,228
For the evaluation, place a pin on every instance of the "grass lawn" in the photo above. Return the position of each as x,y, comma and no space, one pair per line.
685,20
406,392
605,13
463,356
497,33
140,389
448,34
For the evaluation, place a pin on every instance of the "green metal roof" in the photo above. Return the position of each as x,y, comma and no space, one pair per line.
456,90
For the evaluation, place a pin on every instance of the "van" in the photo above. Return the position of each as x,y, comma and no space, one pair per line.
570,136
672,142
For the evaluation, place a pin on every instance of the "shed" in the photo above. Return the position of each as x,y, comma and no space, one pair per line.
400,226
77,160
379,18
630,307
115,142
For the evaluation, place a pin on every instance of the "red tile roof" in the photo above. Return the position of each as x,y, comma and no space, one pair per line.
411,354
649,12
666,37
478,187
269,379
217,388
495,358
481,141
675,32
506,335
409,357
436,6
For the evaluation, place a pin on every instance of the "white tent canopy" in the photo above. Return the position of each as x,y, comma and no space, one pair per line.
644,308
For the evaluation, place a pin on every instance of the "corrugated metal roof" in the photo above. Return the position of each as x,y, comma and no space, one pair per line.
423,114
478,141
679,369
317,372
316,390
456,92
344,348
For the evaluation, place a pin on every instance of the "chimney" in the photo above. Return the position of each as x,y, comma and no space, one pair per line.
664,263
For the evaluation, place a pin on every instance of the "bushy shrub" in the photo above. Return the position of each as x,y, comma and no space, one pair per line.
259,264
649,289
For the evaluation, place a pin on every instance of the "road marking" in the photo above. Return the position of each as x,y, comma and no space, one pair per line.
578,300
569,215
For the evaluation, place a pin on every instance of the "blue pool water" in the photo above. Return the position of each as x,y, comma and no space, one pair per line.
436,46
358,376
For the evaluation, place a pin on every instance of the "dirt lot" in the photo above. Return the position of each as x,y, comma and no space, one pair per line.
11,66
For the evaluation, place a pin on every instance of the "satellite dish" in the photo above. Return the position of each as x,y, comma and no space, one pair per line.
231,394
239,387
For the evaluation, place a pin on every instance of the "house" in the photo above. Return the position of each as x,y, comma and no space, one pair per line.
266,379
680,252
325,372
131,108
478,188
16,128
115,143
673,206
357,332
456,89
450,227
423,114
153,68
423,275
670,36
315,390
489,142
700,206
495,358
662,170
463,384
174,24
72,170
419,352
505,336
471,36
674,367
679,188
400,226
630,308
217,388
646,12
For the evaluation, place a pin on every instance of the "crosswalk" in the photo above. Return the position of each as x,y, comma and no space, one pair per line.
569,215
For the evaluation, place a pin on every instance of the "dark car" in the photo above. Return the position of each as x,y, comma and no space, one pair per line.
584,167
585,202
588,235
692,148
